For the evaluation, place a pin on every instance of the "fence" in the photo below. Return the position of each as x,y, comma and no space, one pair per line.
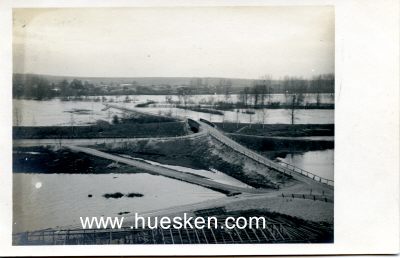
322,198
306,173
284,168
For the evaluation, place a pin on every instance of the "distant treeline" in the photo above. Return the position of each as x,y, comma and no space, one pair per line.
40,87
294,89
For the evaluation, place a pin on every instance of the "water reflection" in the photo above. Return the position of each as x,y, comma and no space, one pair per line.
61,198
316,162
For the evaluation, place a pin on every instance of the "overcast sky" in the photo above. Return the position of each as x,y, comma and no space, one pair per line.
237,42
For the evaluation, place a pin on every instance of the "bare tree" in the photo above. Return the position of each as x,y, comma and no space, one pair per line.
185,93
244,96
127,99
267,88
226,85
264,116
316,86
323,83
168,99
17,116
237,118
72,123
256,93
318,99
292,109
294,91
211,101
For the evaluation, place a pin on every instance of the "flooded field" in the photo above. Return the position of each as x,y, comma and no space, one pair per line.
58,200
67,113
260,116
59,113
325,98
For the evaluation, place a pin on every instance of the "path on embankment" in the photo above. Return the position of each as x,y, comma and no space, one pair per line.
190,178
298,173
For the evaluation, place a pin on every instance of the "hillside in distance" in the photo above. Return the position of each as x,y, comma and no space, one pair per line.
147,81
47,86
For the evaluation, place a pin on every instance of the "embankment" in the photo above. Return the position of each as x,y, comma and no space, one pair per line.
265,144
101,130
282,130
201,153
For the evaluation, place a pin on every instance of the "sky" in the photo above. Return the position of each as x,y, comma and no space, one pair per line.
234,42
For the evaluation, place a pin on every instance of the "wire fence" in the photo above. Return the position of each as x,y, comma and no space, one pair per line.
282,167
314,197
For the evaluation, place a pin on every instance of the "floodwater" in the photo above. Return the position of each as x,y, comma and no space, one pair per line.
261,116
66,113
317,162
59,113
325,98
58,200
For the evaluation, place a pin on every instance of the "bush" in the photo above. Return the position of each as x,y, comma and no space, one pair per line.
115,120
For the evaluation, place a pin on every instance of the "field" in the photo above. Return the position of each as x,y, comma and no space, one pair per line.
101,130
53,160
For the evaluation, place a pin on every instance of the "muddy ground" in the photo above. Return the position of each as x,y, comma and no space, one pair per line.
51,160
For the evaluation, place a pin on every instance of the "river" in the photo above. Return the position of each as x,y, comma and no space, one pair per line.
317,162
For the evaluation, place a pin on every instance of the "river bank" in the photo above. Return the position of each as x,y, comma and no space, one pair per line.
272,144
275,130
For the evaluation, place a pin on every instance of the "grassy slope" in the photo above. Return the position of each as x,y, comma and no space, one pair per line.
203,153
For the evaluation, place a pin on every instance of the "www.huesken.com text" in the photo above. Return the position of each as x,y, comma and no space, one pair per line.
185,222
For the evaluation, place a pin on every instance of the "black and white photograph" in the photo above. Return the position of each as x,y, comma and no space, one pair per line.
222,113
203,129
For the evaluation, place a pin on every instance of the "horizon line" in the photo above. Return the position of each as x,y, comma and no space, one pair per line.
204,77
